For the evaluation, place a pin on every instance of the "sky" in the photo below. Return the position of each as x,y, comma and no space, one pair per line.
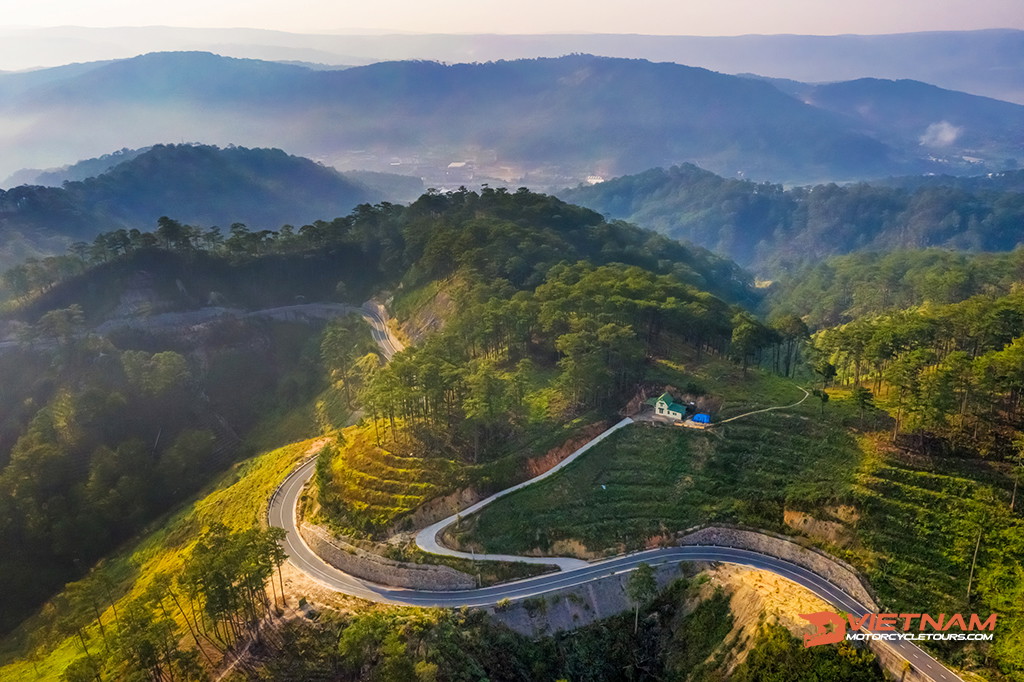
671,17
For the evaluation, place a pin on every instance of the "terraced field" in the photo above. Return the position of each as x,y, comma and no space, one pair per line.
646,481
371,486
912,523
946,512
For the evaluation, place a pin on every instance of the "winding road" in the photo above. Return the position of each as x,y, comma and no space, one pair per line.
283,513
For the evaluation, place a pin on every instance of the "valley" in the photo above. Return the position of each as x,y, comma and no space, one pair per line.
362,356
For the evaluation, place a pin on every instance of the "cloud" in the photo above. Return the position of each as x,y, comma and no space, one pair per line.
941,134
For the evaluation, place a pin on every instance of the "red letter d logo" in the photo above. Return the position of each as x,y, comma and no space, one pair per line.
825,634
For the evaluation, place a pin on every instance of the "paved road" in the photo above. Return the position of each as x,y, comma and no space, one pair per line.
283,514
389,345
427,539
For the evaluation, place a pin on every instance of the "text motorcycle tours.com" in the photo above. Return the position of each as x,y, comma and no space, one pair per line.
832,628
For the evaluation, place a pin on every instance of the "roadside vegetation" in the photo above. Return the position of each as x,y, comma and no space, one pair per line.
910,523
58,635
677,637
778,655
513,348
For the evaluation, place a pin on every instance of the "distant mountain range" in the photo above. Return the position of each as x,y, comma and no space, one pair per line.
541,122
989,62
937,120
770,229
200,185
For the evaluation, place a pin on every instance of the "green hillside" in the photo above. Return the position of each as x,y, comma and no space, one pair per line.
197,184
772,230
908,520
844,288
196,400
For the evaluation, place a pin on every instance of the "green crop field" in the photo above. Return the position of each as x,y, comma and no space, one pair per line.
644,481
914,524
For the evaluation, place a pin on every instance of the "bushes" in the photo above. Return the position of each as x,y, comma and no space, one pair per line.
778,656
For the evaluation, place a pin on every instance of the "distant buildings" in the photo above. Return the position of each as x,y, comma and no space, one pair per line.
459,172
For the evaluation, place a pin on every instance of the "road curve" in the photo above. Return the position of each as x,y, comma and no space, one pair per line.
283,513
388,344
427,539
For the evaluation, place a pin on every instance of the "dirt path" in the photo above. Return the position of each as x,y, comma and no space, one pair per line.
807,394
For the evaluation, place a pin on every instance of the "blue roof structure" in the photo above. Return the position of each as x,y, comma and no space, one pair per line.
702,418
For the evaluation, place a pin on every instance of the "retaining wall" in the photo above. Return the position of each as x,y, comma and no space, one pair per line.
368,566
578,606
834,570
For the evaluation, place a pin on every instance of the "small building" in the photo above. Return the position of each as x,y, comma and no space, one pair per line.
702,418
666,406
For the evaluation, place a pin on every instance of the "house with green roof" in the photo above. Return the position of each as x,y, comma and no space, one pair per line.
667,406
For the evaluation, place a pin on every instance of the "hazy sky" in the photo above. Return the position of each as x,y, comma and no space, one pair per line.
683,17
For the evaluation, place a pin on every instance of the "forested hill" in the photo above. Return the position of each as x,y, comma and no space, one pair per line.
263,188
844,288
81,170
64,442
770,229
1003,181
513,236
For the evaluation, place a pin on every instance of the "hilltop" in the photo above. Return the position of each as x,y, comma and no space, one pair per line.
199,184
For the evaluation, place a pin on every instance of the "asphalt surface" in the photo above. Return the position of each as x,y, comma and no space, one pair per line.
283,514
388,344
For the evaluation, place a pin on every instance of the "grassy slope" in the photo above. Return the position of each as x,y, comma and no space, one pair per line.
644,481
381,485
238,500
378,484
912,536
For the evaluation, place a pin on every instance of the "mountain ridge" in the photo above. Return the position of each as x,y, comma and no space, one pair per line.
587,115
985,61
758,224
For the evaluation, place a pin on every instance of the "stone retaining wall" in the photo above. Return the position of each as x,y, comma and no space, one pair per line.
578,606
834,570
368,566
